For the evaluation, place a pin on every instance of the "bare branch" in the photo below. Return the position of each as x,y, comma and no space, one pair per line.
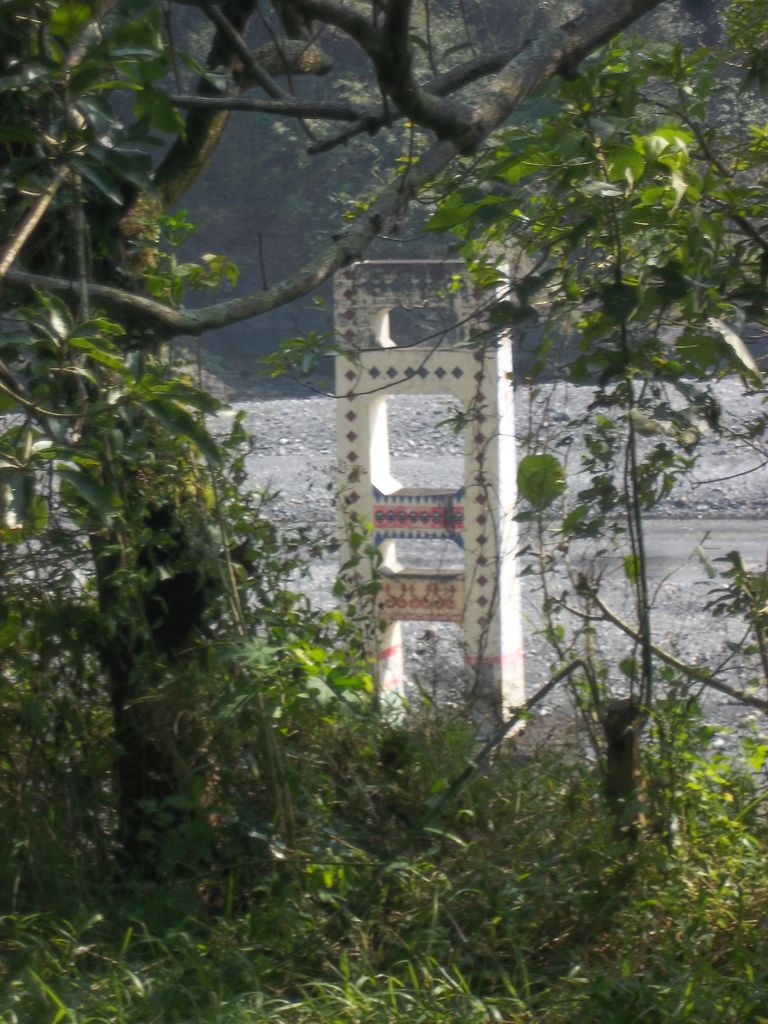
280,108
558,51
518,73
369,124
30,221
394,65
257,73
90,34
347,247
10,387
451,81
364,32
292,57
470,71
693,672
389,48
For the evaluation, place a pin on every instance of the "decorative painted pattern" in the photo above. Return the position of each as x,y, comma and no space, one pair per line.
364,291
413,515
415,371
408,597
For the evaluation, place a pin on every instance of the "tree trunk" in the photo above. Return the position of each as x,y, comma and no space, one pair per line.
145,629
623,723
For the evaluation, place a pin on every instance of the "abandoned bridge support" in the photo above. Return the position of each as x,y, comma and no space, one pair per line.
456,356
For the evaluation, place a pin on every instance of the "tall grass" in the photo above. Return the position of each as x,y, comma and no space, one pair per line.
516,906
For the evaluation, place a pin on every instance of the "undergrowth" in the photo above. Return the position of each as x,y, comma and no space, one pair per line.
515,905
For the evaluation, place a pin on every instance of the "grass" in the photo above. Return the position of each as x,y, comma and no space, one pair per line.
517,907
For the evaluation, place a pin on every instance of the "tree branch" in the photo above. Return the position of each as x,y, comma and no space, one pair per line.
389,49
152,315
280,108
394,66
364,32
165,322
470,71
192,150
693,672
257,73
30,221
291,57
451,81
554,51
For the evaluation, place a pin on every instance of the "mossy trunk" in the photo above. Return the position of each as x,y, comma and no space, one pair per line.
623,723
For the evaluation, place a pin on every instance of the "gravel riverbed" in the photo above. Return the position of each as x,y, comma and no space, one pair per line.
722,506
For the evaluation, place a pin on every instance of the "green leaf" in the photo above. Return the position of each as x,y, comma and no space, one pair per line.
132,165
99,325
701,351
97,354
21,81
179,422
619,301
419,41
320,691
653,196
104,182
218,79
706,562
180,391
628,667
444,834
666,142
69,18
133,53
22,512
632,567
540,480
573,521
99,497
460,207
679,186
116,83
603,189
625,164
757,755
505,313
13,133
739,349
95,109
10,341
155,105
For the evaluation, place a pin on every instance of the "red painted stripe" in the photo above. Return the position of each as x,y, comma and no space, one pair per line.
390,652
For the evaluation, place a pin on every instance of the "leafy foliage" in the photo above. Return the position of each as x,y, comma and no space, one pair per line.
630,199
517,905
139,572
204,815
